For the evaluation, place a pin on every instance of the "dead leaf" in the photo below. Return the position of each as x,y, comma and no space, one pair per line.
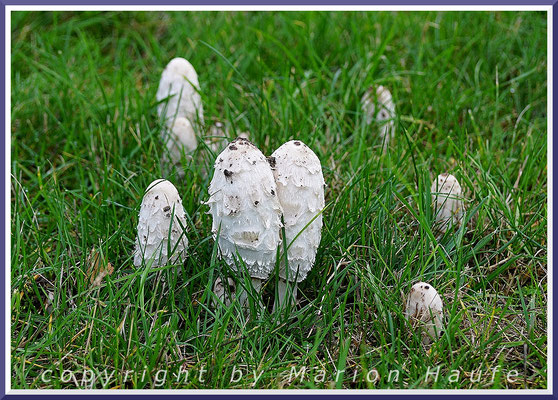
98,267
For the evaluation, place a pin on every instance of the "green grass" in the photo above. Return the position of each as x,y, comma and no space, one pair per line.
470,91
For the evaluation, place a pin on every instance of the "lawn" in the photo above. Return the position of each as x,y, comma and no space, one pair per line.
470,91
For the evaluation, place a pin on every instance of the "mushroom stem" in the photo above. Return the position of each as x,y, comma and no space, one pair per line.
286,294
243,292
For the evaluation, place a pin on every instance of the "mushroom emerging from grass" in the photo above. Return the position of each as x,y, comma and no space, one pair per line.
424,310
377,105
218,137
161,226
182,113
300,188
223,290
246,211
447,199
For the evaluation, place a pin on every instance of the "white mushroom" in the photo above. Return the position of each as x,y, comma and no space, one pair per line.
182,112
161,226
447,199
377,105
223,293
300,187
424,310
246,211
179,83
181,140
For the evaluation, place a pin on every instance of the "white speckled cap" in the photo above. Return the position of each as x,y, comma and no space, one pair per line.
161,226
424,309
245,209
300,187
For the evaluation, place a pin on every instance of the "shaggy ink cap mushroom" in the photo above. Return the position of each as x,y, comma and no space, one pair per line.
424,310
447,200
161,227
377,105
180,88
180,139
245,209
300,188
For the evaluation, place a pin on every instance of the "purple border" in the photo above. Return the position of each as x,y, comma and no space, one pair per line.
241,2
283,2
3,205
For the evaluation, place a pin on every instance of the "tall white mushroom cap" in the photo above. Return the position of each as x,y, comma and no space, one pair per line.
179,83
377,105
245,209
447,198
161,226
424,310
300,188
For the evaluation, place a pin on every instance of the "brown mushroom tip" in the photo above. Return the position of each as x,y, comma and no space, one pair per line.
241,141
272,161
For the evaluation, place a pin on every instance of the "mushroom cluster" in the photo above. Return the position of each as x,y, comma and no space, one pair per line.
161,227
248,196
265,208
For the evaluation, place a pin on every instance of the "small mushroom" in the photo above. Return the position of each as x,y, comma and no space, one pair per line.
218,137
223,292
377,105
424,310
161,226
300,189
180,107
245,210
447,199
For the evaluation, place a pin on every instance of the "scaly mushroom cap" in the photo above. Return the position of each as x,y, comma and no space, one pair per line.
179,83
245,209
447,198
161,210
377,105
300,187
424,309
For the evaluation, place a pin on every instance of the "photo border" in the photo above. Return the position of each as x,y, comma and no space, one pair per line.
170,5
